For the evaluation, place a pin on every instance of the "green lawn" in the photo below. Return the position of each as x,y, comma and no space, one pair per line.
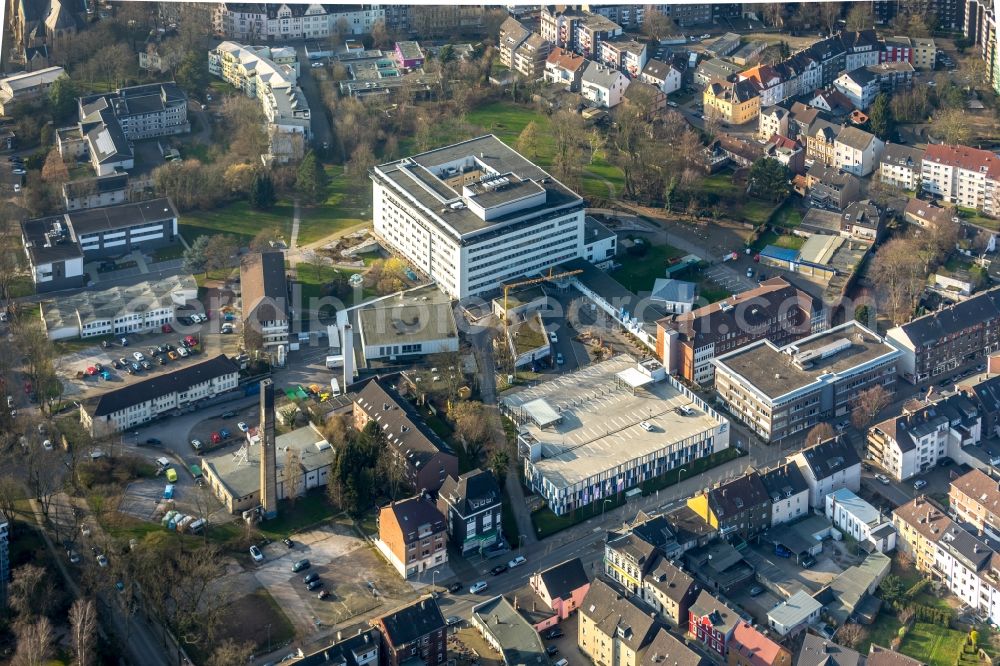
746,208
168,252
239,219
881,632
975,217
783,240
347,204
304,512
638,274
932,644
314,277
788,216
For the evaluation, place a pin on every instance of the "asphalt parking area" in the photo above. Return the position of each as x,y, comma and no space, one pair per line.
726,278
216,424
346,565
789,576
143,498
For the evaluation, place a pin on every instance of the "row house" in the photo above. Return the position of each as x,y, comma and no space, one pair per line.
949,555
856,151
773,120
827,467
287,21
862,220
831,54
900,166
687,343
800,118
614,630
913,442
741,507
943,340
986,394
631,552
927,215
712,623
787,492
415,633
820,139
896,49
787,152
664,76
471,504
832,187
749,647
562,587
975,499
413,536
962,175
861,49
624,54
767,82
565,68
834,104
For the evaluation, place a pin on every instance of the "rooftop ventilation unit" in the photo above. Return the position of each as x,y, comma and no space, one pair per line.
803,359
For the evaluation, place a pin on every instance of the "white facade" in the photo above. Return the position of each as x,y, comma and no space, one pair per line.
438,211
799,611
906,177
239,21
603,87
671,82
789,508
963,176
857,160
860,88
773,120
863,522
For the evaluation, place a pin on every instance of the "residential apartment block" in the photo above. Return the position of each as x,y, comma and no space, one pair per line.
57,245
415,633
522,50
661,428
863,522
779,392
947,338
712,623
95,192
425,458
624,54
738,508
475,214
687,343
856,151
565,68
827,467
602,85
577,30
900,166
562,587
471,504
413,536
613,629
942,550
148,399
975,499
963,176
788,493
914,441
286,21
265,298
734,102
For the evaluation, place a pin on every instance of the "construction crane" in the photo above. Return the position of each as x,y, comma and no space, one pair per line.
524,283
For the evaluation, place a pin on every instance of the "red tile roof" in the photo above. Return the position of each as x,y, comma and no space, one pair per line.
963,157
565,59
755,648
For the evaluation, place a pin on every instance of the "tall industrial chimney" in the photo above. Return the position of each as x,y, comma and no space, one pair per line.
268,459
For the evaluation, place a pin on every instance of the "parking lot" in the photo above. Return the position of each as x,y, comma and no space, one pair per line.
728,278
225,419
358,579
144,498
789,576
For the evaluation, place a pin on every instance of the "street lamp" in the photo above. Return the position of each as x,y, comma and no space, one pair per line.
433,575
520,541
604,507
679,474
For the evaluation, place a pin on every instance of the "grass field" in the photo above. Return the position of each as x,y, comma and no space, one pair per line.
881,632
638,274
239,220
932,644
262,622
313,277
347,204
783,240
747,209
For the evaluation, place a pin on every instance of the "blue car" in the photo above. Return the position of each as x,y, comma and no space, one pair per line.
781,551
168,491
105,375
225,434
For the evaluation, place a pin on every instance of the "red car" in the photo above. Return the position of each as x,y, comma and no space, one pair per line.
91,371
191,340
167,328
216,438
27,387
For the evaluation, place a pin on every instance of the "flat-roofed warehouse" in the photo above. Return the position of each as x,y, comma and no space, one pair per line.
778,392
608,428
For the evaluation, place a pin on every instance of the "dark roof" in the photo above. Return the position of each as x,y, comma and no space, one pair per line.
563,579
160,385
986,394
724,619
410,623
614,614
121,216
896,154
472,492
656,69
828,48
859,39
855,138
863,213
880,656
670,579
831,456
737,495
917,422
404,429
265,289
45,245
784,481
804,114
861,77
346,652
99,185
927,330
665,650
413,513
817,651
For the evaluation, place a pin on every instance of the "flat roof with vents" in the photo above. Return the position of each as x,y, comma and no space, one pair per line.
822,357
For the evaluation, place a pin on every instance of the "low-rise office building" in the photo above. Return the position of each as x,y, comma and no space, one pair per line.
142,307
95,192
914,441
413,536
148,399
660,426
58,245
303,462
943,340
416,322
863,522
780,392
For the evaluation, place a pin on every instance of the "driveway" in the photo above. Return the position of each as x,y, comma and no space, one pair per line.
321,130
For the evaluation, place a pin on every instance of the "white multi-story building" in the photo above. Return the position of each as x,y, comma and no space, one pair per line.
286,21
899,166
857,151
143,401
475,214
916,440
603,86
863,522
860,86
963,176
269,75
827,467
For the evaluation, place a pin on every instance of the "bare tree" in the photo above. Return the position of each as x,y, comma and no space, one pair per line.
867,404
30,592
898,271
83,627
231,653
953,126
292,474
819,433
851,635
829,14
34,643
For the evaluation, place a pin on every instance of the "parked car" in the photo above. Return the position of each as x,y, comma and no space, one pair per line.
152,441
138,356
782,551
646,425
516,562
242,426
323,594
554,632
498,569
551,650
919,483
452,620
945,462
301,565
225,434
478,587
216,438
808,561
314,585
228,415
756,590
102,561
310,577
288,542
883,479
256,554
196,444
455,587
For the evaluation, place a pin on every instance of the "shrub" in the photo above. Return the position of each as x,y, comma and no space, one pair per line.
917,588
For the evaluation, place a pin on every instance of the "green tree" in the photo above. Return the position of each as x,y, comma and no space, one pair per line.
768,179
262,196
192,74
880,117
62,99
309,179
196,256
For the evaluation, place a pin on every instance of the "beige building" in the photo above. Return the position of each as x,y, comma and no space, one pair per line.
26,86
924,52
613,630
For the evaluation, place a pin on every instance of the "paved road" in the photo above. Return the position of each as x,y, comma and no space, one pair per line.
321,130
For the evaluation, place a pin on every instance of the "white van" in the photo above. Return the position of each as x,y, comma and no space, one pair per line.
685,410
334,387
